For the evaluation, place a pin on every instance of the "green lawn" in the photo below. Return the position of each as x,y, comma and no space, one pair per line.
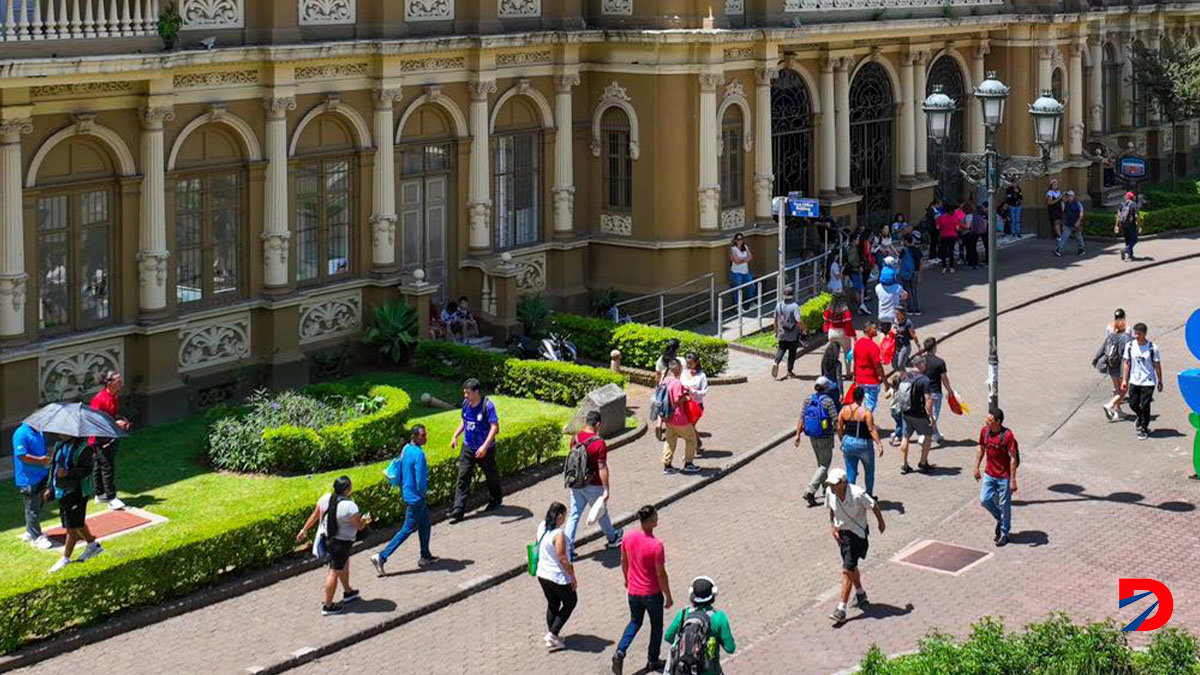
162,470
762,340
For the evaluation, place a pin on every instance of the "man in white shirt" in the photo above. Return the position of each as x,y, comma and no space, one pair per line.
1142,367
848,508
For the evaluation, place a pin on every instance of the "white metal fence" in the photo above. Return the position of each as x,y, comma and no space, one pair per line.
759,297
686,305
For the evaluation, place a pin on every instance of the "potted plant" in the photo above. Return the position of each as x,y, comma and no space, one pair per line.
169,23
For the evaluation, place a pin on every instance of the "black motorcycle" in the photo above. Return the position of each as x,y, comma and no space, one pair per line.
552,348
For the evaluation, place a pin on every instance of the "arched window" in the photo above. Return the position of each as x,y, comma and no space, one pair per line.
76,237
324,179
426,152
210,218
733,160
791,133
1111,81
872,110
618,164
517,175
946,72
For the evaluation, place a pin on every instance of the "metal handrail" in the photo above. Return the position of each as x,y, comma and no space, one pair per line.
661,311
735,293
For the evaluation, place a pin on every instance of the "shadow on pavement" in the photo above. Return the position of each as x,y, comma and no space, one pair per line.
513,513
886,505
956,444
439,565
1167,433
372,606
935,470
879,610
609,558
590,644
1033,538
715,454
1081,495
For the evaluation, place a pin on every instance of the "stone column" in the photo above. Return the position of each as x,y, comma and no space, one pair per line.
1075,101
764,167
1096,86
709,190
907,128
152,225
276,235
479,197
564,154
841,85
12,233
383,183
1153,116
976,133
1045,68
920,131
1126,94
827,168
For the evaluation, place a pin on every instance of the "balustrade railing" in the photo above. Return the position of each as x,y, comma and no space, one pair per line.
74,19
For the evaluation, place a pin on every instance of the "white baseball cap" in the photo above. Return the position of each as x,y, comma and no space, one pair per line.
835,476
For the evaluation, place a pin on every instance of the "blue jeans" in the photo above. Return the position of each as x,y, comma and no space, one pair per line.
870,395
937,412
737,279
1130,232
580,499
995,497
1068,231
640,605
1014,217
416,519
898,418
856,450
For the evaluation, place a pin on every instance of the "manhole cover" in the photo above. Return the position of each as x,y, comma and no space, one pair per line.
110,523
941,557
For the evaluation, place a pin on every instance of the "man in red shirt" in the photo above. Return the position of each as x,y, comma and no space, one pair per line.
868,366
643,564
1000,477
104,475
597,487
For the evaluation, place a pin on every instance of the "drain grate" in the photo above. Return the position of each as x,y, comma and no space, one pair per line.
941,557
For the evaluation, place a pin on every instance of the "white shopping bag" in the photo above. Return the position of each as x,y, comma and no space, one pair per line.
598,509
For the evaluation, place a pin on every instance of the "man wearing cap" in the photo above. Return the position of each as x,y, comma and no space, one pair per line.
703,595
787,331
848,508
1072,223
819,415
1129,224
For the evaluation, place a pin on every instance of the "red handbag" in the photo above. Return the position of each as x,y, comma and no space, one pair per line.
694,411
887,348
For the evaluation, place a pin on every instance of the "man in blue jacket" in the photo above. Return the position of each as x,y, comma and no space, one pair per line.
30,472
414,482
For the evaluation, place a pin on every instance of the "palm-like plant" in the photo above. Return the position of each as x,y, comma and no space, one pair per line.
394,331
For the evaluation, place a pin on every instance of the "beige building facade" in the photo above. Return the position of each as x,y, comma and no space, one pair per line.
222,213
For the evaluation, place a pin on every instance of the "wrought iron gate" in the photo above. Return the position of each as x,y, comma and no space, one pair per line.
791,133
871,115
946,72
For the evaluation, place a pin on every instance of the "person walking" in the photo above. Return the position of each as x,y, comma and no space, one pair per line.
889,295
970,237
478,429
339,525
597,488
679,426
105,472
717,634
648,589
839,323
31,473
787,332
868,366
414,484
831,369
1109,359
932,211
696,383
1014,198
1054,207
669,356
1142,375
740,257
848,508
904,335
1072,224
917,407
74,460
979,228
910,273
1129,224
556,574
854,270
948,226
818,419
939,384
856,427
998,444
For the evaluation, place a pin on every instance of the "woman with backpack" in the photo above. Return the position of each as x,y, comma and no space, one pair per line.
1108,360
856,428
699,633
340,523
555,574
72,463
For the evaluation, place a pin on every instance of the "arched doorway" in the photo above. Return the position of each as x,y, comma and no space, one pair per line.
871,114
791,133
425,155
946,72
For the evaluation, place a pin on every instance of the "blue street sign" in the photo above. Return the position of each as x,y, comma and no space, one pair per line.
803,208
1132,168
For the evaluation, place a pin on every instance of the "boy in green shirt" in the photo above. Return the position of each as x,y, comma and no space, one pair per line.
703,595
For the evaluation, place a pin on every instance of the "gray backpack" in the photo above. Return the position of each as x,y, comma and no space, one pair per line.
576,473
788,326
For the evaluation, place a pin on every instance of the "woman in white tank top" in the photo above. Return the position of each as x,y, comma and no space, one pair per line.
555,574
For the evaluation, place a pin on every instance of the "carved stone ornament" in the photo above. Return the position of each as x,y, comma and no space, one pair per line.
278,106
710,202
152,268
428,10
433,63
806,5
615,92
615,223
329,316
516,9
734,89
764,76
733,219
82,88
531,272
384,98
563,83
223,78
710,81
564,203
12,128
153,118
331,71
201,14
739,53
327,12
617,7
479,214
69,373
734,7
615,96
524,58
275,245
763,183
214,342
12,290
481,89
383,231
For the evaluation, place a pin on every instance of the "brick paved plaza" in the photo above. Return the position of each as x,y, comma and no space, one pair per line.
1094,505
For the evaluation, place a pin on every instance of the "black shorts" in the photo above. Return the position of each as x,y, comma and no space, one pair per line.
338,551
854,548
73,510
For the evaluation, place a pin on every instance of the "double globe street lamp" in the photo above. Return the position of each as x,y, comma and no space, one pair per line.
992,171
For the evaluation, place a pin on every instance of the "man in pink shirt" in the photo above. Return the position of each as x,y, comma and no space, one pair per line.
643,564
678,424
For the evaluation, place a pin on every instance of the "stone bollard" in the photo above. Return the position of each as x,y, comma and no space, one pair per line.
429,401
615,360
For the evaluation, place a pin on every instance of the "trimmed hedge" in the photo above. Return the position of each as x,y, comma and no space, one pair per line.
1153,222
185,566
640,345
550,381
591,336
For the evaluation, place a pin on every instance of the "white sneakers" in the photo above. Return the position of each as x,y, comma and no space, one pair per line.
43,542
115,504
554,643
91,551
59,564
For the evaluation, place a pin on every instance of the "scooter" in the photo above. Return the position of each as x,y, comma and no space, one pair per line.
553,348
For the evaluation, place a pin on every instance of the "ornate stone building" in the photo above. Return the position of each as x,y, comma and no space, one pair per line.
243,202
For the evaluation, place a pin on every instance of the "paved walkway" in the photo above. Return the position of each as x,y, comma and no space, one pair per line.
750,529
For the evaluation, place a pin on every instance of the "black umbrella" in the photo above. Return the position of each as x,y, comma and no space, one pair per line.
75,420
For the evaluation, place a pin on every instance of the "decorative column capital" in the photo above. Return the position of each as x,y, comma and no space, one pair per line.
563,83
153,118
765,75
481,89
980,51
920,57
843,64
908,59
278,106
383,231
12,290
152,268
275,244
386,96
710,81
12,128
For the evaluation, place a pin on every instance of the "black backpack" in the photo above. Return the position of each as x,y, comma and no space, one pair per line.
576,472
689,654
